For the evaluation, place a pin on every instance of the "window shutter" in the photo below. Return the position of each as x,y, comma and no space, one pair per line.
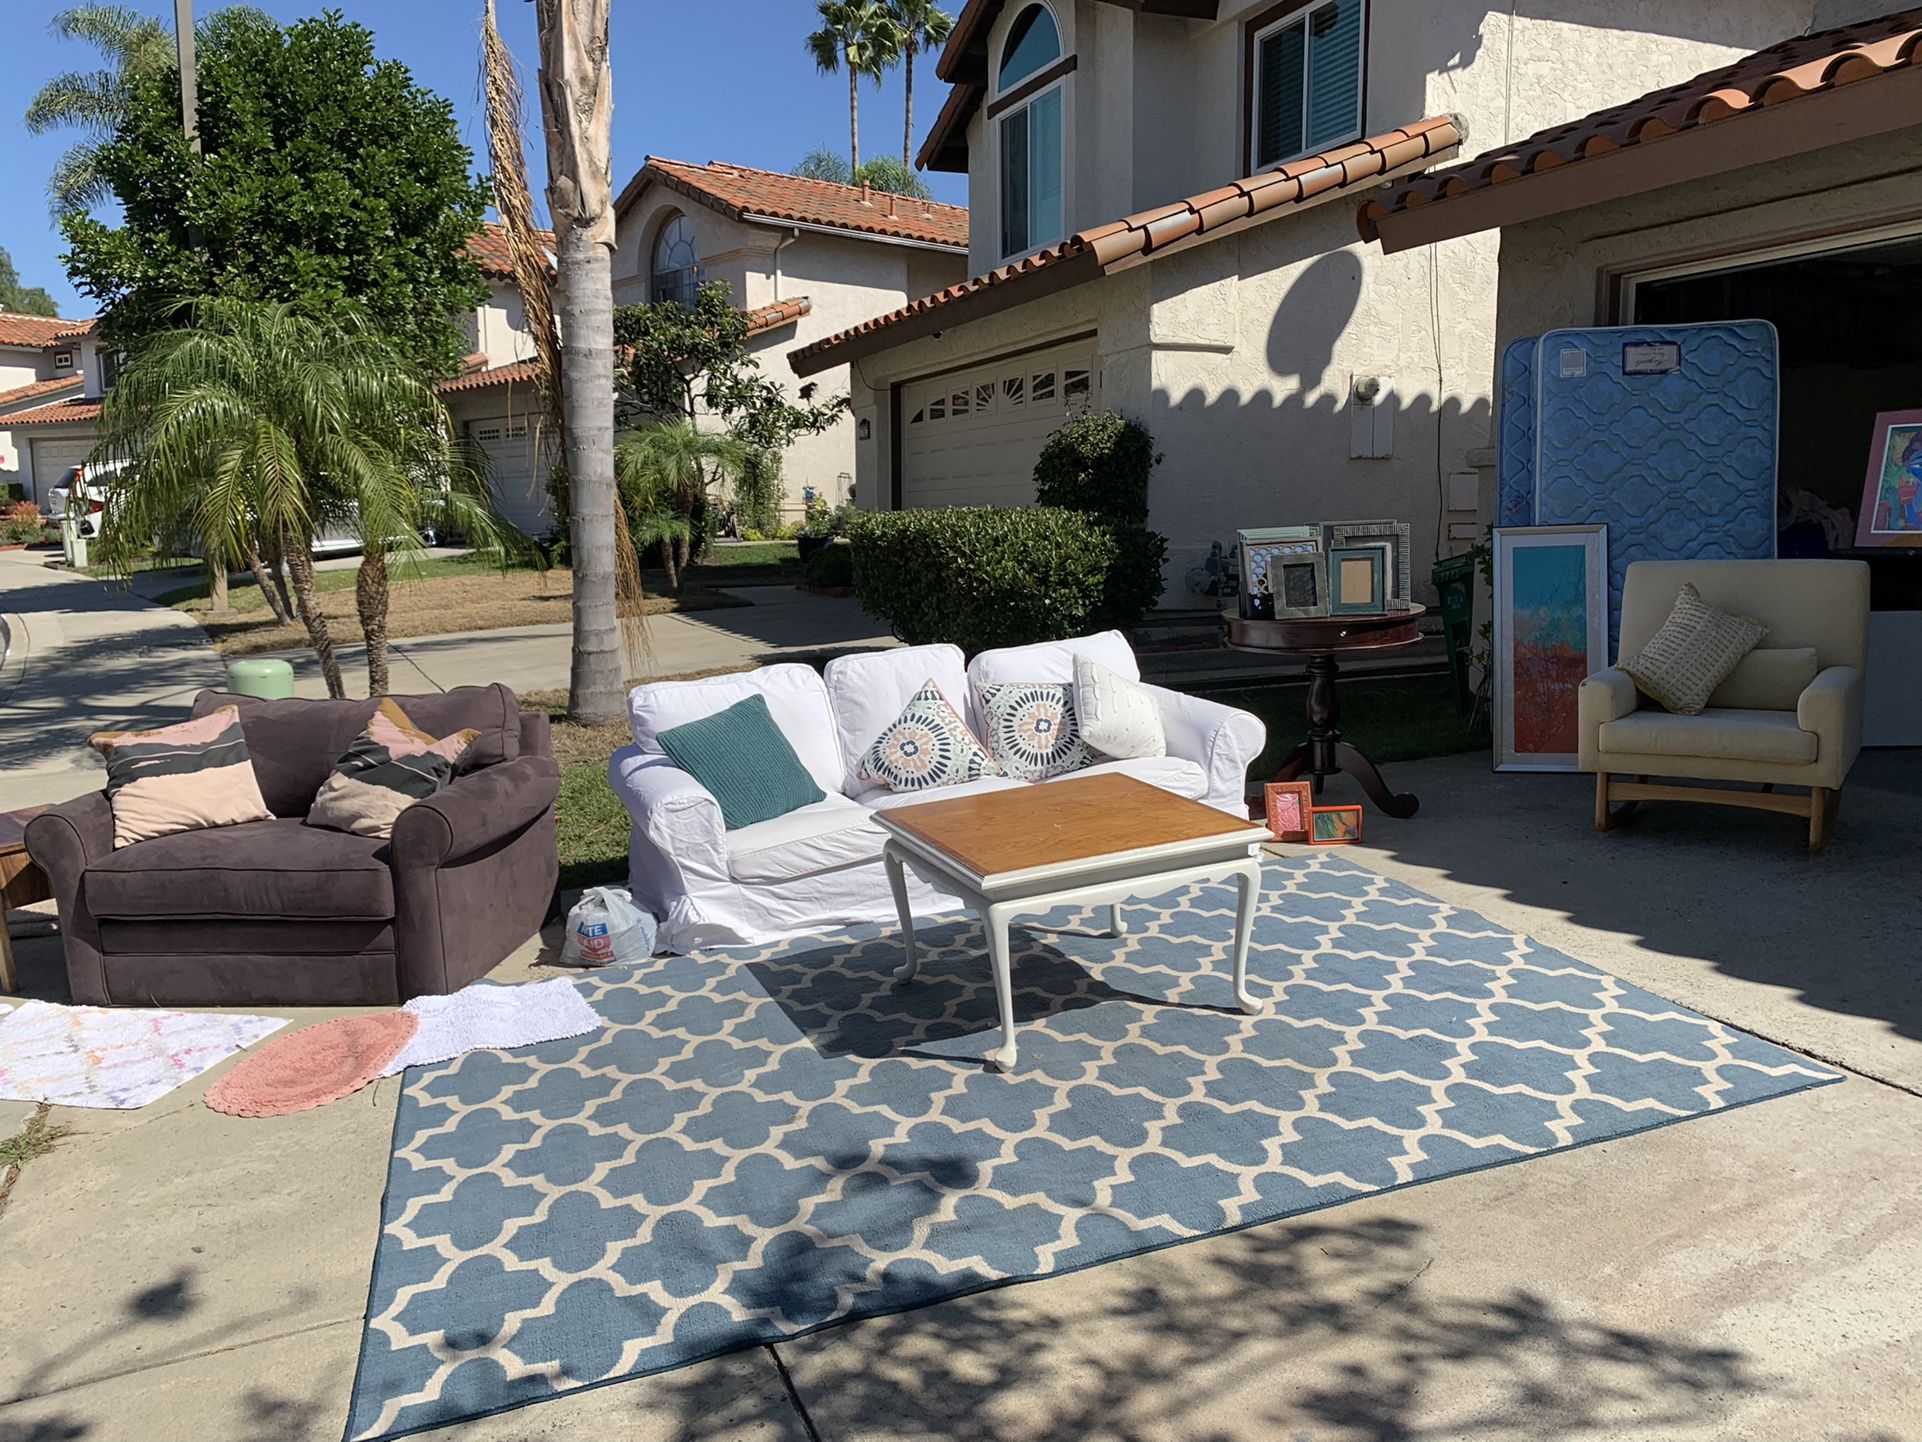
1281,67
1334,73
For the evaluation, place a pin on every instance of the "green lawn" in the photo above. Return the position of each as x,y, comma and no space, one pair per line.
244,595
742,563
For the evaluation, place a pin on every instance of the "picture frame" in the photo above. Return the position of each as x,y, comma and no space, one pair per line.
1358,579
1550,634
1394,534
1891,513
1284,573
1335,826
1288,806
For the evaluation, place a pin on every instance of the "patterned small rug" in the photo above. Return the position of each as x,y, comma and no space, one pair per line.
764,1142
114,1058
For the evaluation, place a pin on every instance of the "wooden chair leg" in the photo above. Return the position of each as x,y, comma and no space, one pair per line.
1822,808
1603,821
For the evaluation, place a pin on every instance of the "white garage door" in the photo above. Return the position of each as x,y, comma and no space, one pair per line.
52,459
971,437
518,467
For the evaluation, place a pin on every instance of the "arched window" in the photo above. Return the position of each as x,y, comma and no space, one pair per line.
676,268
1030,134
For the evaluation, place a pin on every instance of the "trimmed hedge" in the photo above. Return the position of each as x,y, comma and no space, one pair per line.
1098,462
831,566
981,577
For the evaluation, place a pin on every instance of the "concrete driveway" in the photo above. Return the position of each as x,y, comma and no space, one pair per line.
177,1274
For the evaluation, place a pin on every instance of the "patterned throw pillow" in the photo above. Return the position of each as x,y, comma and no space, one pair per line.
180,778
1693,653
390,766
926,746
1032,729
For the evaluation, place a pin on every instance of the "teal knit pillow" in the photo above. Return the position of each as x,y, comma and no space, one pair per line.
742,758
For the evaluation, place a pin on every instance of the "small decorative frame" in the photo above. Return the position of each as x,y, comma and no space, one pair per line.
1891,513
1551,633
1358,579
1290,804
1284,573
1334,826
1393,533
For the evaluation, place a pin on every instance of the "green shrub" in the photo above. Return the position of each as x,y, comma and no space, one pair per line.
1098,462
757,492
21,524
831,566
985,577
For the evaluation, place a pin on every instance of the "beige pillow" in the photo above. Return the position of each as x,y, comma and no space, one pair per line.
185,777
1694,652
1769,678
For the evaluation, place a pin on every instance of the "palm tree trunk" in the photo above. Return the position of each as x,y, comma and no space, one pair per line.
907,125
669,565
854,124
268,594
370,600
307,602
277,568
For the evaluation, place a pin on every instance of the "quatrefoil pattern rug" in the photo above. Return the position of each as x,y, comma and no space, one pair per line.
764,1142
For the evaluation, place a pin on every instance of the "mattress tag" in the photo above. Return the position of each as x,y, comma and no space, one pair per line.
1574,361
1651,357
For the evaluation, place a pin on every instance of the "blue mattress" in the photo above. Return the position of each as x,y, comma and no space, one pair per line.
1515,459
1678,463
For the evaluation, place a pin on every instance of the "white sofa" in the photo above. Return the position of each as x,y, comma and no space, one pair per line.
821,865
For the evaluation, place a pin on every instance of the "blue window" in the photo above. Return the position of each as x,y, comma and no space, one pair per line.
1308,68
1030,136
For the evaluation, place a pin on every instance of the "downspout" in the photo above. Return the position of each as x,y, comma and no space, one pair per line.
792,236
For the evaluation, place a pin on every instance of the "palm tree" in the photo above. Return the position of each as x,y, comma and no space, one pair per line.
577,104
859,35
92,101
922,25
256,424
664,472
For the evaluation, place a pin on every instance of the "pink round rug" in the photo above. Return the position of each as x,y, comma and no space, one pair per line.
313,1066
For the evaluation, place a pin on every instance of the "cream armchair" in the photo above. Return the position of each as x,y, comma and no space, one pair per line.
1789,715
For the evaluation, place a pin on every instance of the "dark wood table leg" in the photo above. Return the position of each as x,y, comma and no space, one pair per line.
1399,804
1324,753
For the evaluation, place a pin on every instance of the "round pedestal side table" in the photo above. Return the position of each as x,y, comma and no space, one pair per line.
1322,641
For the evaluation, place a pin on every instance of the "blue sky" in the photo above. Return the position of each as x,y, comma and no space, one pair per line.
693,79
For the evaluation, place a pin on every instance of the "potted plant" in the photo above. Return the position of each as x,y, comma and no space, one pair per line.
817,523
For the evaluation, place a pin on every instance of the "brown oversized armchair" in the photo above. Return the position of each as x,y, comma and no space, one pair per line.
284,914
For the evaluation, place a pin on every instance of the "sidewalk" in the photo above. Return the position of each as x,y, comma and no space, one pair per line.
84,656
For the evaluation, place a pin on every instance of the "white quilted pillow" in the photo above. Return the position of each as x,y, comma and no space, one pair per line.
1118,717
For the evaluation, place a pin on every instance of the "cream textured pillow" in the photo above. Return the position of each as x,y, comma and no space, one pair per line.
1694,652
1118,717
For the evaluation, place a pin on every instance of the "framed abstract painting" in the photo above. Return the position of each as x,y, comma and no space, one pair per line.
1891,513
1551,632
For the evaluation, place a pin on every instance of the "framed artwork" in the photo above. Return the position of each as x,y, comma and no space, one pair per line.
1334,826
1358,579
1290,803
1283,573
1891,513
1393,534
1551,633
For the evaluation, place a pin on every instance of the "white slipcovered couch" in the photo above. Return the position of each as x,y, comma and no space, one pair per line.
821,865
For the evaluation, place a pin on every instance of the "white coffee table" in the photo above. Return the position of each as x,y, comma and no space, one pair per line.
1091,840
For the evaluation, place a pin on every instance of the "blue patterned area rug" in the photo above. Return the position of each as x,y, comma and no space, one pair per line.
763,1142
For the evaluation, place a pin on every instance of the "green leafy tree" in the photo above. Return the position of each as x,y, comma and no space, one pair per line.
883,173
664,471
823,163
858,36
23,299
922,25
325,175
254,425
94,101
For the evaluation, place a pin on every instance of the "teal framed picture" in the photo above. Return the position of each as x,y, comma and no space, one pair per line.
1358,579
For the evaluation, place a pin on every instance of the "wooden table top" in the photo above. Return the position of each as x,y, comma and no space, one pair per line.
1024,827
13,827
1332,635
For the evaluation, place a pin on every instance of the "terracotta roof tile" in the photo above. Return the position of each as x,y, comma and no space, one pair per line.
740,192
773,317
59,413
514,373
33,390
1179,225
1791,70
36,330
490,252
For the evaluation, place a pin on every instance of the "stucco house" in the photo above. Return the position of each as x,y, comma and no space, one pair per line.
805,258
1785,186
1164,197
52,375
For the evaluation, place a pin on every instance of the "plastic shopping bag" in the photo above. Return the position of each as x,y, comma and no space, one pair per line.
606,926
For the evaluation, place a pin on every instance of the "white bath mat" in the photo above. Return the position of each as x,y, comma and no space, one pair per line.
115,1058
483,1017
